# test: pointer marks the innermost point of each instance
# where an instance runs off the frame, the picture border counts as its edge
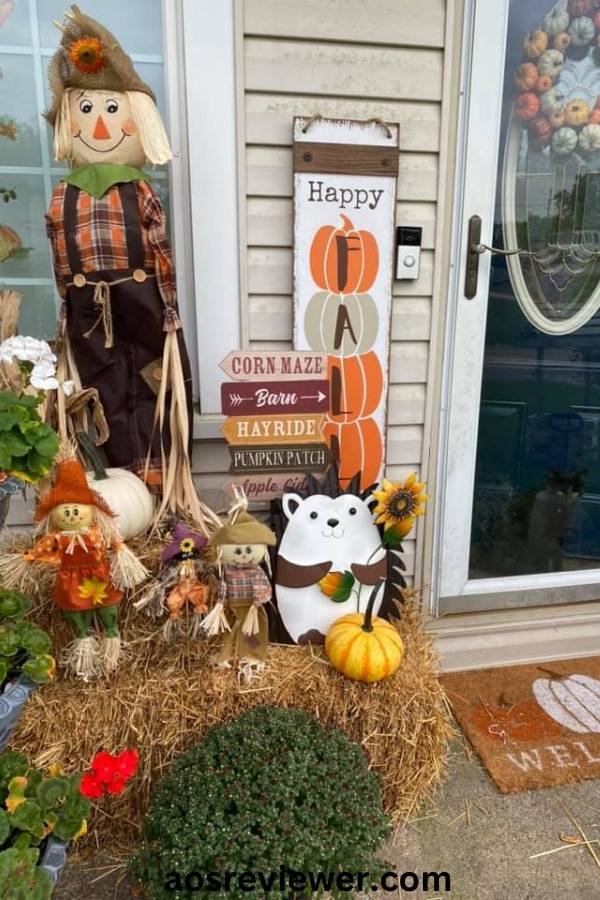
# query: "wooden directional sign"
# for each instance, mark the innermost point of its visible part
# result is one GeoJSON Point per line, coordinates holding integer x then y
{"type": "Point", "coordinates": [260, 398]}
{"type": "Point", "coordinates": [262, 488]}
{"type": "Point", "coordinates": [295, 458]}
{"type": "Point", "coordinates": [292, 429]}
{"type": "Point", "coordinates": [274, 365]}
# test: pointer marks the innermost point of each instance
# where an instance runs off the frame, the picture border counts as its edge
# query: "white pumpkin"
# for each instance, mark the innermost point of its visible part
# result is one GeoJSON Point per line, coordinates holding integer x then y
{"type": "Point", "coordinates": [564, 141]}
{"type": "Point", "coordinates": [553, 100]}
{"type": "Point", "coordinates": [128, 497]}
{"type": "Point", "coordinates": [556, 20]}
{"type": "Point", "coordinates": [589, 138]}
{"type": "Point", "coordinates": [582, 31]}
{"type": "Point", "coordinates": [550, 63]}
{"type": "Point", "coordinates": [573, 702]}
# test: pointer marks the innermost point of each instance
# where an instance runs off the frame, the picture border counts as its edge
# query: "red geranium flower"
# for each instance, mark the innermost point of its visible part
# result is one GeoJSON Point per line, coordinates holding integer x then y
{"type": "Point", "coordinates": [127, 763]}
{"type": "Point", "coordinates": [103, 766]}
{"type": "Point", "coordinates": [90, 787]}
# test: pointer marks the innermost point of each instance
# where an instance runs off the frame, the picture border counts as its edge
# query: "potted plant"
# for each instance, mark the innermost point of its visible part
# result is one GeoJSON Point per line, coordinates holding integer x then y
{"type": "Point", "coordinates": [27, 371]}
{"type": "Point", "coordinates": [39, 816]}
{"type": "Point", "coordinates": [24, 659]}
{"type": "Point", "coordinates": [272, 786]}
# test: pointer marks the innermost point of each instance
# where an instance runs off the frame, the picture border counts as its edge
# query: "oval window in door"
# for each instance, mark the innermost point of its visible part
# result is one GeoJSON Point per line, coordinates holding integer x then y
{"type": "Point", "coordinates": [551, 176]}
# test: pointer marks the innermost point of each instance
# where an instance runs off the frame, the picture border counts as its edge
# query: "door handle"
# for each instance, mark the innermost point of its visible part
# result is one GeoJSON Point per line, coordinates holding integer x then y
{"type": "Point", "coordinates": [473, 254]}
{"type": "Point", "coordinates": [474, 250]}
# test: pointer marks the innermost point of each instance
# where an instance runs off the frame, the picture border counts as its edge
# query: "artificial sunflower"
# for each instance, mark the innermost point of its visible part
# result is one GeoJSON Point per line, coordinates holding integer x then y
{"type": "Point", "coordinates": [87, 55]}
{"type": "Point", "coordinates": [93, 589]}
{"type": "Point", "coordinates": [398, 505]}
{"type": "Point", "coordinates": [187, 545]}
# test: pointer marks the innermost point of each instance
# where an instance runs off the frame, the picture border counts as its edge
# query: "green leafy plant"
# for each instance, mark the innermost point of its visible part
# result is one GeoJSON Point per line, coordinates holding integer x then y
{"type": "Point", "coordinates": [32, 807]}
{"type": "Point", "coordinates": [27, 445]}
{"type": "Point", "coordinates": [24, 647]}
{"type": "Point", "coordinates": [271, 787]}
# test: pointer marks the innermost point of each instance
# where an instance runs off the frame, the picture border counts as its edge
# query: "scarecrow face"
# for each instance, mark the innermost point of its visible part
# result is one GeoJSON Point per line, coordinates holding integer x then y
{"type": "Point", "coordinates": [103, 129]}
{"type": "Point", "coordinates": [72, 516]}
{"type": "Point", "coordinates": [242, 554]}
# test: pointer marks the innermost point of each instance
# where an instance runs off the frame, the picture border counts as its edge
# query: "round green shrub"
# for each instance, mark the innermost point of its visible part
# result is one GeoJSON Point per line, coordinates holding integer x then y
{"type": "Point", "coordinates": [271, 788]}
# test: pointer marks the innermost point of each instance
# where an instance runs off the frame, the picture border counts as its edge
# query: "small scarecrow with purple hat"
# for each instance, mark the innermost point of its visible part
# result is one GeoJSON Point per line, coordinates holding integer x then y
{"type": "Point", "coordinates": [183, 585]}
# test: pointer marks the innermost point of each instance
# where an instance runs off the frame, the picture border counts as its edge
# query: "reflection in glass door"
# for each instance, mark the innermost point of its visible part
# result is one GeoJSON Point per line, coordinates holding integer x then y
{"type": "Point", "coordinates": [536, 505]}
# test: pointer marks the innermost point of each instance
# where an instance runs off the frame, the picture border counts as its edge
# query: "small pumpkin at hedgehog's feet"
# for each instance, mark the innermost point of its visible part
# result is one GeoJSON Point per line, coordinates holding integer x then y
{"type": "Point", "coordinates": [364, 647]}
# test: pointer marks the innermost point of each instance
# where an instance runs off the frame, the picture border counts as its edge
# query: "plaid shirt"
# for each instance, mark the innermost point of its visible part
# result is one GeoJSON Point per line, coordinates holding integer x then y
{"type": "Point", "coordinates": [101, 237]}
{"type": "Point", "coordinates": [245, 583]}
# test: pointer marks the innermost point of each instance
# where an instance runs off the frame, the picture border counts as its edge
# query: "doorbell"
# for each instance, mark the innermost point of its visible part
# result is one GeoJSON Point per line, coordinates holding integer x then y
{"type": "Point", "coordinates": [408, 251]}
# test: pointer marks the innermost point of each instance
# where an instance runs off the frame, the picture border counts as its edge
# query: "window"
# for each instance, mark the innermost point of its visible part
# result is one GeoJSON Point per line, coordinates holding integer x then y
{"type": "Point", "coordinates": [185, 50]}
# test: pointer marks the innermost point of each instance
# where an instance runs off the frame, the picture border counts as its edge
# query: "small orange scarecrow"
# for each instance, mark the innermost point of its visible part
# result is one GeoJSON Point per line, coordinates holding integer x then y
{"type": "Point", "coordinates": [81, 538]}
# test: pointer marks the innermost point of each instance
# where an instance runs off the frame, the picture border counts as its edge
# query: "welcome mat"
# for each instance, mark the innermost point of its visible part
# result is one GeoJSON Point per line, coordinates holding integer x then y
{"type": "Point", "coordinates": [533, 726]}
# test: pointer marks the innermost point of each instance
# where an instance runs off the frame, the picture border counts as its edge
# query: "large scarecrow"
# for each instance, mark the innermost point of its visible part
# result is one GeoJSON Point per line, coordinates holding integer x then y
{"type": "Point", "coordinates": [112, 261]}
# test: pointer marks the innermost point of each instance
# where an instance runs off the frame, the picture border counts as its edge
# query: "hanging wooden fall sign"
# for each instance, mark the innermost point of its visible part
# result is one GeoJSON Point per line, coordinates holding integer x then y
{"type": "Point", "coordinates": [344, 195]}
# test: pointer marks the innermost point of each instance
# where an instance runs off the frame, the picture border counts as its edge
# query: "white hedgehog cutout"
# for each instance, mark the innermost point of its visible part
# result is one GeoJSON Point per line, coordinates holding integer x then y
{"type": "Point", "coordinates": [326, 534]}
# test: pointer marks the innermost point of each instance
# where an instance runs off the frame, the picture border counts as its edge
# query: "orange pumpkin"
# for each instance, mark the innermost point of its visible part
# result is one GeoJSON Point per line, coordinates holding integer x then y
{"type": "Point", "coordinates": [356, 386]}
{"type": "Point", "coordinates": [357, 447]}
{"type": "Point", "coordinates": [596, 19]}
{"type": "Point", "coordinates": [561, 41]}
{"type": "Point", "coordinates": [557, 118]}
{"type": "Point", "coordinates": [541, 129]}
{"type": "Point", "coordinates": [344, 260]}
{"type": "Point", "coordinates": [528, 106]}
{"type": "Point", "coordinates": [535, 43]}
{"type": "Point", "coordinates": [543, 84]}
{"type": "Point", "coordinates": [594, 118]}
{"type": "Point", "coordinates": [526, 76]}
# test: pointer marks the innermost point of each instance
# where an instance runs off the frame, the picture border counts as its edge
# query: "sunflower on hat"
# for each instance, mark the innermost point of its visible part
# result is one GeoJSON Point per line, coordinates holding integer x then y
{"type": "Point", "coordinates": [87, 55]}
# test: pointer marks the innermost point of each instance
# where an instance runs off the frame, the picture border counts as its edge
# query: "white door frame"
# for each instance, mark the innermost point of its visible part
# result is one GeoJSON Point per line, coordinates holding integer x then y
{"type": "Point", "coordinates": [475, 188]}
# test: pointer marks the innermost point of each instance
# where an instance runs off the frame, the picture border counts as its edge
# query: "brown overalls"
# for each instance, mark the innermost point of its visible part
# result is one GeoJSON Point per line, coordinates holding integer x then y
{"type": "Point", "coordinates": [134, 314]}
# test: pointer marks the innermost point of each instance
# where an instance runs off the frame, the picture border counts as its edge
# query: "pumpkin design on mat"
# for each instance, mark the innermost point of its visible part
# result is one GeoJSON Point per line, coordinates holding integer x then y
{"type": "Point", "coordinates": [347, 324]}
{"type": "Point", "coordinates": [364, 647]}
{"type": "Point", "coordinates": [574, 701]}
{"type": "Point", "coordinates": [356, 386]}
{"type": "Point", "coordinates": [344, 260]}
{"type": "Point", "coordinates": [357, 447]}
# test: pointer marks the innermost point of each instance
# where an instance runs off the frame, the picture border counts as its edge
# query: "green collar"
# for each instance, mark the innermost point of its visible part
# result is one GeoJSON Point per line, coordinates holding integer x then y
{"type": "Point", "coordinates": [97, 179]}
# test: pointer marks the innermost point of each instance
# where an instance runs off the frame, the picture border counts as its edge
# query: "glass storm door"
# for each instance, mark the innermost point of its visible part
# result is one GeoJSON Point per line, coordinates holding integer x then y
{"type": "Point", "coordinates": [521, 478]}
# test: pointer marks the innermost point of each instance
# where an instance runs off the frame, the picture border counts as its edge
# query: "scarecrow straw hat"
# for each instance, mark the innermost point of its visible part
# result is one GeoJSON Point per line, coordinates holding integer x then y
{"type": "Point", "coordinates": [89, 57]}
{"type": "Point", "coordinates": [243, 528]}
{"type": "Point", "coordinates": [70, 486]}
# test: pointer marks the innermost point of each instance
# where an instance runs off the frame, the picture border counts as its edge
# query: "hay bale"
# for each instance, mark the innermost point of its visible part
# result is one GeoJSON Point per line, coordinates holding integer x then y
{"type": "Point", "coordinates": [165, 696]}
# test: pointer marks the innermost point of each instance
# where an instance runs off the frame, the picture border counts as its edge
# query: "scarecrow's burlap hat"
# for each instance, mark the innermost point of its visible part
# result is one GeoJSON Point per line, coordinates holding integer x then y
{"type": "Point", "coordinates": [243, 528]}
{"type": "Point", "coordinates": [89, 56]}
{"type": "Point", "coordinates": [70, 486]}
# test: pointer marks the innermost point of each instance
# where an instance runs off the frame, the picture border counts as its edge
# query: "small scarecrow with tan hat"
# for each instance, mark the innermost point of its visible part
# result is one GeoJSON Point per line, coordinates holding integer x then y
{"type": "Point", "coordinates": [112, 262]}
{"type": "Point", "coordinates": [242, 546]}
{"type": "Point", "coordinates": [94, 567]}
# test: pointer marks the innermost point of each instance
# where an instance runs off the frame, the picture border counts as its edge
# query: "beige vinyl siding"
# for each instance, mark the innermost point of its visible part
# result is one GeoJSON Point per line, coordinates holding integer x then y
{"type": "Point", "coordinates": [339, 58]}
{"type": "Point", "coordinates": [344, 58]}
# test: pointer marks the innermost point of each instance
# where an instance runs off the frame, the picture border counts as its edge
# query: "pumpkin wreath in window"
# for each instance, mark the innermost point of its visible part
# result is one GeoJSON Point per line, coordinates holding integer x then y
{"type": "Point", "coordinates": [557, 122]}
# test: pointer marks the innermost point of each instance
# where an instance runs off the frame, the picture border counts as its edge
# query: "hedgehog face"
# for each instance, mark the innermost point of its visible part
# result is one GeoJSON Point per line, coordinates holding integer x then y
{"type": "Point", "coordinates": [330, 518]}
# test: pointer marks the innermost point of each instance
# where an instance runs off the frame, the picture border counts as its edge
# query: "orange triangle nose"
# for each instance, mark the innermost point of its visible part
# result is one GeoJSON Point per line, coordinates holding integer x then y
{"type": "Point", "coordinates": [101, 132]}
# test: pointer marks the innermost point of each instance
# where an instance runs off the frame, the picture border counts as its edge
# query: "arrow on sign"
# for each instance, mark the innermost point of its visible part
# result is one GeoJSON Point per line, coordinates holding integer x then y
{"type": "Point", "coordinates": [273, 365]}
{"type": "Point", "coordinates": [269, 398]}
